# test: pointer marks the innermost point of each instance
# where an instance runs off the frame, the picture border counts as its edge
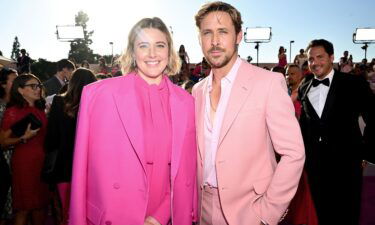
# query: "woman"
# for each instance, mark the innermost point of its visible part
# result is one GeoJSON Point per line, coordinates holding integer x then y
{"type": "Point", "coordinates": [183, 55]}
{"type": "Point", "coordinates": [61, 131]}
{"type": "Point", "coordinates": [30, 194]}
{"type": "Point", "coordinates": [6, 80]}
{"type": "Point", "coordinates": [135, 151]}
{"type": "Point", "coordinates": [103, 68]}
{"type": "Point", "coordinates": [282, 57]}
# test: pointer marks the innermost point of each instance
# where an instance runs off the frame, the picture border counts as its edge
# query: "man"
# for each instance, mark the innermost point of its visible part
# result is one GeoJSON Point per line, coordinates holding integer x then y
{"type": "Point", "coordinates": [65, 69]}
{"type": "Point", "coordinates": [346, 64]}
{"type": "Point", "coordinates": [242, 115]}
{"type": "Point", "coordinates": [301, 58]}
{"type": "Point", "coordinates": [23, 62]}
{"type": "Point", "coordinates": [331, 104]}
{"type": "Point", "coordinates": [294, 77]}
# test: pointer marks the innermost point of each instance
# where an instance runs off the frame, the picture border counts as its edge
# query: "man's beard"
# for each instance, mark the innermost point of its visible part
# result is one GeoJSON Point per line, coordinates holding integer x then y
{"type": "Point", "coordinates": [225, 61]}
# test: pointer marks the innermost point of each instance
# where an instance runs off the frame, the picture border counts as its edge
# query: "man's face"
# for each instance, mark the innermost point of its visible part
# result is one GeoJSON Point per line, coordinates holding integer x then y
{"type": "Point", "coordinates": [68, 73]}
{"type": "Point", "coordinates": [218, 39]}
{"type": "Point", "coordinates": [320, 63]}
{"type": "Point", "coordinates": [293, 75]}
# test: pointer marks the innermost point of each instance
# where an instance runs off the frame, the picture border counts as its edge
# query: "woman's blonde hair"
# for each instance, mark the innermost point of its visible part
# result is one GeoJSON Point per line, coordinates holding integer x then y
{"type": "Point", "coordinates": [127, 59]}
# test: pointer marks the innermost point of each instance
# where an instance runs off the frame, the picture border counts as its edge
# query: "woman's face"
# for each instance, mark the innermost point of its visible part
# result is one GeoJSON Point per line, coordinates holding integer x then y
{"type": "Point", "coordinates": [31, 91]}
{"type": "Point", "coordinates": [9, 83]}
{"type": "Point", "coordinates": [151, 54]}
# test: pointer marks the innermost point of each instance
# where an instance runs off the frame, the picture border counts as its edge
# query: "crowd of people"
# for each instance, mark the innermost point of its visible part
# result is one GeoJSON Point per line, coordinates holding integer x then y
{"type": "Point", "coordinates": [153, 139]}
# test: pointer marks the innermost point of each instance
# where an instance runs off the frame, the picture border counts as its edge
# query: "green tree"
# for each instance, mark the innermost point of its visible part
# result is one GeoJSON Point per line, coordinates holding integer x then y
{"type": "Point", "coordinates": [44, 69]}
{"type": "Point", "coordinates": [16, 49]}
{"type": "Point", "coordinates": [80, 48]}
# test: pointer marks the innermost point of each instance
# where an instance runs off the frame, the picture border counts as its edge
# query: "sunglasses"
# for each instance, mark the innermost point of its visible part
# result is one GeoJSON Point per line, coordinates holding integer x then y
{"type": "Point", "coordinates": [34, 86]}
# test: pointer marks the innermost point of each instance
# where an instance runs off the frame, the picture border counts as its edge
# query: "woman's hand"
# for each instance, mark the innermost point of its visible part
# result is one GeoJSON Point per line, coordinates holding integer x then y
{"type": "Point", "coordinates": [151, 221]}
{"type": "Point", "coordinates": [29, 133]}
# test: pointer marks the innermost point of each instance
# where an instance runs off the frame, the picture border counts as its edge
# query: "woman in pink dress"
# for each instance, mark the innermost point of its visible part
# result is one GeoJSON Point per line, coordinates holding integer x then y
{"type": "Point", "coordinates": [282, 57]}
{"type": "Point", "coordinates": [30, 194]}
{"type": "Point", "coordinates": [135, 151]}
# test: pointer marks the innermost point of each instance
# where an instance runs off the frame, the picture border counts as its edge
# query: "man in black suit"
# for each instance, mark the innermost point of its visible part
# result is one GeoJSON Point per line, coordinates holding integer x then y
{"type": "Point", "coordinates": [65, 69]}
{"type": "Point", "coordinates": [331, 105]}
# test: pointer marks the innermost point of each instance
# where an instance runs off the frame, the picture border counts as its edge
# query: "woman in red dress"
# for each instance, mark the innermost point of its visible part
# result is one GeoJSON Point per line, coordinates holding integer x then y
{"type": "Point", "coordinates": [30, 194]}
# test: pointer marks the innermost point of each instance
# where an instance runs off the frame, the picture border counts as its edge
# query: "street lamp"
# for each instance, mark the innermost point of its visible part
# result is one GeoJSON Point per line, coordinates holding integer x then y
{"type": "Point", "coordinates": [290, 51]}
{"type": "Point", "coordinates": [111, 43]}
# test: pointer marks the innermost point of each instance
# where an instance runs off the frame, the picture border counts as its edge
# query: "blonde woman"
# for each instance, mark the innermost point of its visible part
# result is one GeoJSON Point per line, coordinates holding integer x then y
{"type": "Point", "coordinates": [135, 152]}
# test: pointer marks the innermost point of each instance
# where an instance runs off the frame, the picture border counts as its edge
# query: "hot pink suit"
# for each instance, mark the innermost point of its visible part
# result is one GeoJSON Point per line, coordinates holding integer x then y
{"type": "Point", "coordinates": [259, 121]}
{"type": "Point", "coordinates": [109, 184]}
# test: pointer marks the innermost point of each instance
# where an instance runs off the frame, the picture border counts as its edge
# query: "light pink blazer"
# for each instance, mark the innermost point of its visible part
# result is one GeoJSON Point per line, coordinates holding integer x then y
{"type": "Point", "coordinates": [109, 183]}
{"type": "Point", "coordinates": [259, 121]}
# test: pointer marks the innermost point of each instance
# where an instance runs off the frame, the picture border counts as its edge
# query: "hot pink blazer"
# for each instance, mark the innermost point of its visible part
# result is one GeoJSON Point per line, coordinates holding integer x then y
{"type": "Point", "coordinates": [259, 121]}
{"type": "Point", "coordinates": [109, 184]}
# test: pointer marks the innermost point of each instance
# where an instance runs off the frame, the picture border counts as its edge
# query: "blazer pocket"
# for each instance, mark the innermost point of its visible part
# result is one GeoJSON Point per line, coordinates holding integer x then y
{"type": "Point", "coordinates": [94, 214]}
{"type": "Point", "coordinates": [261, 185]}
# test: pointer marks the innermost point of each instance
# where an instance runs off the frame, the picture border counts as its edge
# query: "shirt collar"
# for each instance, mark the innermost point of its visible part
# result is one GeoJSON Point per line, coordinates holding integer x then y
{"type": "Point", "coordinates": [329, 76]}
{"type": "Point", "coordinates": [62, 82]}
{"type": "Point", "coordinates": [230, 77]}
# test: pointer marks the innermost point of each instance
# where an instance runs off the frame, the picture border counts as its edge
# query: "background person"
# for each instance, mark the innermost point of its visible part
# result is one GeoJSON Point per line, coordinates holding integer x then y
{"type": "Point", "coordinates": [332, 102]}
{"type": "Point", "coordinates": [282, 57]}
{"type": "Point", "coordinates": [61, 130]}
{"type": "Point", "coordinates": [30, 194]}
{"type": "Point", "coordinates": [6, 80]}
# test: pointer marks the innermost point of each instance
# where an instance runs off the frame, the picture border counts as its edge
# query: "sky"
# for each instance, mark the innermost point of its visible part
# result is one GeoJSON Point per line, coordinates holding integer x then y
{"type": "Point", "coordinates": [34, 22]}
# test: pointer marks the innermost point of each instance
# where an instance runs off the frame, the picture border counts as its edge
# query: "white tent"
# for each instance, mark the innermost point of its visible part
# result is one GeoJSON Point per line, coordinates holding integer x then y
{"type": "Point", "coordinates": [5, 61]}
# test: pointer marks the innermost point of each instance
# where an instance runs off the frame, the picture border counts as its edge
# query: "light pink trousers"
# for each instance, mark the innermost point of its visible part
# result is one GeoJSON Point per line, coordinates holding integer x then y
{"type": "Point", "coordinates": [212, 213]}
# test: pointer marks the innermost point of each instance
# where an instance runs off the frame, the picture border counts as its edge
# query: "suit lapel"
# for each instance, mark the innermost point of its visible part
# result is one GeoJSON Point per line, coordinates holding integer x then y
{"type": "Point", "coordinates": [240, 91]}
{"type": "Point", "coordinates": [330, 97]}
{"type": "Point", "coordinates": [309, 108]}
{"type": "Point", "coordinates": [130, 116]}
{"type": "Point", "coordinates": [179, 124]}
{"type": "Point", "coordinates": [200, 101]}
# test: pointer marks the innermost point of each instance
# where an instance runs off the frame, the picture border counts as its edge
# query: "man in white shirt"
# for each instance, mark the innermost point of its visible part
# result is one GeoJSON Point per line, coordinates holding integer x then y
{"type": "Point", "coordinates": [331, 105]}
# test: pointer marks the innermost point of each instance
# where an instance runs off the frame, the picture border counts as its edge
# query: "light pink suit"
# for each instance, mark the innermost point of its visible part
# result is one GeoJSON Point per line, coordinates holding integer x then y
{"type": "Point", "coordinates": [259, 121]}
{"type": "Point", "coordinates": [109, 184]}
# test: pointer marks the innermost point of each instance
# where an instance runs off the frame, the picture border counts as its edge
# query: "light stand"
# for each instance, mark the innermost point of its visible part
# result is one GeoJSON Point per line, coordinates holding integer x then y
{"type": "Point", "coordinates": [364, 36]}
{"type": "Point", "coordinates": [365, 48]}
{"type": "Point", "coordinates": [258, 35]}
{"type": "Point", "coordinates": [257, 48]}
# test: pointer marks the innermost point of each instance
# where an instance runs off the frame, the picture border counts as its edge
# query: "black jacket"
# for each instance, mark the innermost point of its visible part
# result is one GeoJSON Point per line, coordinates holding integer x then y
{"type": "Point", "coordinates": [52, 86]}
{"type": "Point", "coordinates": [60, 135]}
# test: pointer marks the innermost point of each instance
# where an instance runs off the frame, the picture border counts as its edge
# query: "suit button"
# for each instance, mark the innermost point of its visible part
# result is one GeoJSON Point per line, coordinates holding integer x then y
{"type": "Point", "coordinates": [221, 161]}
{"type": "Point", "coordinates": [116, 186]}
{"type": "Point", "coordinates": [108, 222]}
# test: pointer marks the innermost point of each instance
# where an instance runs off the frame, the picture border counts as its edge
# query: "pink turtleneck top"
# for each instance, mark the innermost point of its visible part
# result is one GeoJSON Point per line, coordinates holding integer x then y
{"type": "Point", "coordinates": [153, 102]}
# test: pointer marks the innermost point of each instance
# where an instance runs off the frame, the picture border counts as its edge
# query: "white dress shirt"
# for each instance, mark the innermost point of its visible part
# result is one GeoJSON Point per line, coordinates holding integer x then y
{"type": "Point", "coordinates": [212, 128]}
{"type": "Point", "coordinates": [318, 95]}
